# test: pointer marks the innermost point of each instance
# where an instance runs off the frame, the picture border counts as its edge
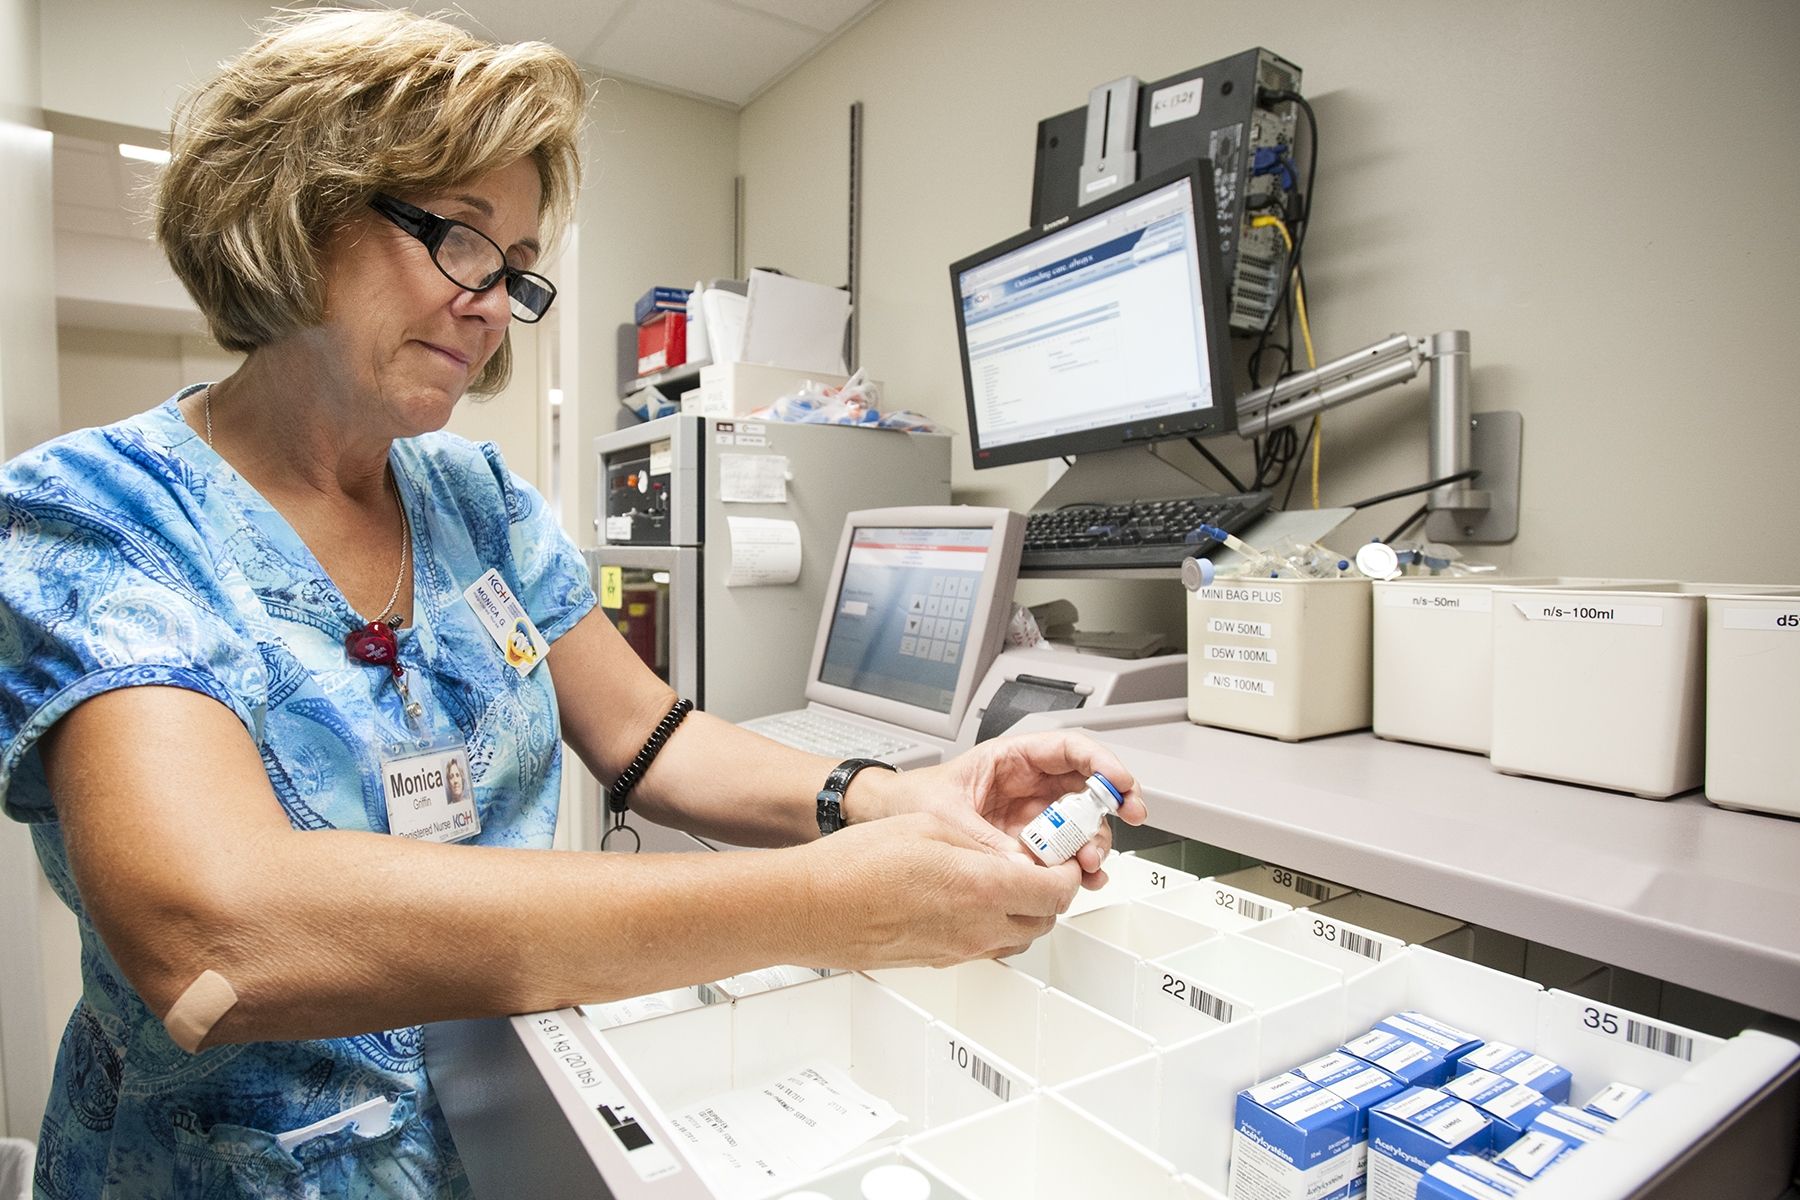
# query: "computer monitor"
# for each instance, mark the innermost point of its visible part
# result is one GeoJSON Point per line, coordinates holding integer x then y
{"type": "Point", "coordinates": [915, 611]}
{"type": "Point", "coordinates": [1099, 332]}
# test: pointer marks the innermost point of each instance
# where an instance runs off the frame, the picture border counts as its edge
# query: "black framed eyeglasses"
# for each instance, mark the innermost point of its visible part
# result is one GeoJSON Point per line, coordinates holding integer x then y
{"type": "Point", "coordinates": [470, 258]}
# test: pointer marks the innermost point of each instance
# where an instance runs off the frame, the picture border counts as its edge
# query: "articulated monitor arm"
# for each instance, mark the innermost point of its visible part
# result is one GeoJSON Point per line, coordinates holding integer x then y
{"type": "Point", "coordinates": [1389, 362]}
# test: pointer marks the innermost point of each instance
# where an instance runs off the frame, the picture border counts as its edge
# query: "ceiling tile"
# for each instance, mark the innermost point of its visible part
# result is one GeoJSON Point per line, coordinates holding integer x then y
{"type": "Point", "coordinates": [569, 27]}
{"type": "Point", "coordinates": [708, 49]}
{"type": "Point", "coordinates": [826, 16]}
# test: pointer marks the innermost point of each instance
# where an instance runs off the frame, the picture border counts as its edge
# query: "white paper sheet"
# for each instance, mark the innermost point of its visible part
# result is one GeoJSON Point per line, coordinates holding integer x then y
{"type": "Point", "coordinates": [753, 478]}
{"type": "Point", "coordinates": [764, 552]}
{"type": "Point", "coordinates": [795, 324]}
{"type": "Point", "coordinates": [786, 1129]}
{"type": "Point", "coordinates": [723, 313]}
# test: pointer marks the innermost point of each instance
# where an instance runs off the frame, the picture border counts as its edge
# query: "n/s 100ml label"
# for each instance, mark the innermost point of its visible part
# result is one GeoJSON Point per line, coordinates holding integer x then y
{"type": "Point", "coordinates": [1240, 684]}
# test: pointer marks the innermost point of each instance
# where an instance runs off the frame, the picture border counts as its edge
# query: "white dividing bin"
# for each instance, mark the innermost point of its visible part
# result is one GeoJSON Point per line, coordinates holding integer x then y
{"type": "Point", "coordinates": [1180, 1103]}
{"type": "Point", "coordinates": [1434, 659]}
{"type": "Point", "coordinates": [1232, 979]}
{"type": "Point", "coordinates": [1293, 888]}
{"type": "Point", "coordinates": [1129, 877]}
{"type": "Point", "coordinates": [1047, 1149]}
{"type": "Point", "coordinates": [1220, 905]}
{"type": "Point", "coordinates": [1414, 926]}
{"type": "Point", "coordinates": [845, 1181]}
{"type": "Point", "coordinates": [1354, 951]}
{"type": "Point", "coordinates": [1094, 957]}
{"type": "Point", "coordinates": [1000, 1034]}
{"type": "Point", "coordinates": [1603, 687]}
{"type": "Point", "coordinates": [847, 1022]}
{"type": "Point", "coordinates": [1284, 657]}
{"type": "Point", "coordinates": [1753, 701]}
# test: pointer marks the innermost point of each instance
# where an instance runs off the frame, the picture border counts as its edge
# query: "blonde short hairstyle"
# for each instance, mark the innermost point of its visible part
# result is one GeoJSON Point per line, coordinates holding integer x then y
{"type": "Point", "coordinates": [326, 109]}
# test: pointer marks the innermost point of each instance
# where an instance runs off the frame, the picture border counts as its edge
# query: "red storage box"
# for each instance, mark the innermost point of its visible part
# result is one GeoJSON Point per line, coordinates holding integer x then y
{"type": "Point", "coordinates": [662, 342]}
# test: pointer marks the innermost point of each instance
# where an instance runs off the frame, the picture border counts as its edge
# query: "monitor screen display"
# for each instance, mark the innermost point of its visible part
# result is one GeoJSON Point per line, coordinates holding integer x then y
{"type": "Point", "coordinates": [902, 621]}
{"type": "Point", "coordinates": [1095, 334]}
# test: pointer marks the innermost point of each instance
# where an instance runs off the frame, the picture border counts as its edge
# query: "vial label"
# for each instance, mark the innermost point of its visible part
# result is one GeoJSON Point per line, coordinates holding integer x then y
{"type": "Point", "coordinates": [1054, 837]}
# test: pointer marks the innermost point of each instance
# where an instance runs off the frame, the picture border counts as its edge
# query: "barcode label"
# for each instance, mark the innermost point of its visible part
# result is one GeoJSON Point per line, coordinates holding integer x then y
{"type": "Point", "coordinates": [1663, 1041]}
{"type": "Point", "coordinates": [1658, 1038]}
{"type": "Point", "coordinates": [1243, 903]}
{"type": "Point", "coordinates": [1356, 943]}
{"type": "Point", "coordinates": [1219, 1010]}
{"type": "Point", "coordinates": [1198, 998]}
{"type": "Point", "coordinates": [981, 1071]}
{"type": "Point", "coordinates": [1311, 888]}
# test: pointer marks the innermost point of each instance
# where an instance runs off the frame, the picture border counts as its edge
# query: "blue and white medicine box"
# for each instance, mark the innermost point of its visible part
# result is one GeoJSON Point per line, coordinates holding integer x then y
{"type": "Point", "coordinates": [1510, 1106]}
{"type": "Point", "coordinates": [1465, 1177]}
{"type": "Point", "coordinates": [660, 300]}
{"type": "Point", "coordinates": [1413, 1063]}
{"type": "Point", "coordinates": [1615, 1100]}
{"type": "Point", "coordinates": [1571, 1124]}
{"type": "Point", "coordinates": [1449, 1041]}
{"type": "Point", "coordinates": [1359, 1085]}
{"type": "Point", "coordinates": [1520, 1066]}
{"type": "Point", "coordinates": [1414, 1130]}
{"type": "Point", "coordinates": [1535, 1153]}
{"type": "Point", "coordinates": [1293, 1141]}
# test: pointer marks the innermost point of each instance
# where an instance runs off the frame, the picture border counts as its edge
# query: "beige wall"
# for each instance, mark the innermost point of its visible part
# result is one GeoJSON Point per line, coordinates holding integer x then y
{"type": "Point", "coordinates": [1558, 179]}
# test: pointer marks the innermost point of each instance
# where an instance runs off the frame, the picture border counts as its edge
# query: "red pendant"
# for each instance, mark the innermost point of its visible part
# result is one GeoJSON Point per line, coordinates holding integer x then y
{"type": "Point", "coordinates": [374, 644]}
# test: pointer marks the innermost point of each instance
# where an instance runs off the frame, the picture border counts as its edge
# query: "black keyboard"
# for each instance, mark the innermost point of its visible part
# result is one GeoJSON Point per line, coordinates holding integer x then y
{"type": "Point", "coordinates": [1141, 533]}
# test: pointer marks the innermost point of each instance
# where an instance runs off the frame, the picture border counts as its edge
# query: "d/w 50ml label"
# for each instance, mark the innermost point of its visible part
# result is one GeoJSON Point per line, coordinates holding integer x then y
{"type": "Point", "coordinates": [1233, 628]}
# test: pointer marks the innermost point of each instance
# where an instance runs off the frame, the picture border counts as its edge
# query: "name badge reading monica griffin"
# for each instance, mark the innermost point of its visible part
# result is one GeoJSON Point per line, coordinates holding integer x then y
{"type": "Point", "coordinates": [501, 614]}
{"type": "Point", "coordinates": [430, 795]}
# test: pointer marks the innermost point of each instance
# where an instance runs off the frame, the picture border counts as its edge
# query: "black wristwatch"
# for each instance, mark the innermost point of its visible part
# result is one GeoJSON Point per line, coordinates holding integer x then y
{"type": "Point", "coordinates": [831, 796]}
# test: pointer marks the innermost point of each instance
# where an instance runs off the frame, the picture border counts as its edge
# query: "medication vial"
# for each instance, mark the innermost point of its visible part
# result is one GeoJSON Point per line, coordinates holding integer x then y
{"type": "Point", "coordinates": [1065, 827]}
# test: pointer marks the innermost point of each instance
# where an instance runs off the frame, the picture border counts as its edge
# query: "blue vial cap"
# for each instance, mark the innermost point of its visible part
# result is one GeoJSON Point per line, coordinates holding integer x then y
{"type": "Point", "coordinates": [1108, 785]}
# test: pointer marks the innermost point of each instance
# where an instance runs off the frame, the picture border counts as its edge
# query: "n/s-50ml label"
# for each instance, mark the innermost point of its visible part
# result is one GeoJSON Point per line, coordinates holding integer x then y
{"type": "Point", "coordinates": [1240, 684]}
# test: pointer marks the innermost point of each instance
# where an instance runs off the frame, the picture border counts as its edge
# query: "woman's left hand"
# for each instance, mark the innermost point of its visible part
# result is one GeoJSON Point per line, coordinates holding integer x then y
{"type": "Point", "coordinates": [995, 789]}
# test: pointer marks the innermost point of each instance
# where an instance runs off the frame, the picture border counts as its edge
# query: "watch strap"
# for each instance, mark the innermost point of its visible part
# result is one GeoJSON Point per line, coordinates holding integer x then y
{"type": "Point", "coordinates": [831, 796]}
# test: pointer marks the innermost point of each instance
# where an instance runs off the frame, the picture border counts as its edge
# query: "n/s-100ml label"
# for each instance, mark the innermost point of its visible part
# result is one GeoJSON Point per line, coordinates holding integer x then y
{"type": "Point", "coordinates": [1239, 684]}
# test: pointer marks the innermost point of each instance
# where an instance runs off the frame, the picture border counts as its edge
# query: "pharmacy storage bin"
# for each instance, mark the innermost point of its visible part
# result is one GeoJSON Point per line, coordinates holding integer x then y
{"type": "Point", "coordinates": [1288, 658]}
{"type": "Point", "coordinates": [1752, 699]}
{"type": "Point", "coordinates": [1600, 687]}
{"type": "Point", "coordinates": [1234, 979]}
{"type": "Point", "coordinates": [1129, 877]}
{"type": "Point", "coordinates": [1094, 956]}
{"type": "Point", "coordinates": [1603, 687]}
{"type": "Point", "coordinates": [1433, 669]}
{"type": "Point", "coordinates": [1046, 1148]}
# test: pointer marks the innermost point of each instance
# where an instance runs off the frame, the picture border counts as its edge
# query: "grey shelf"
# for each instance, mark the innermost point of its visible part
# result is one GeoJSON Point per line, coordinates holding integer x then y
{"type": "Point", "coordinates": [1677, 889]}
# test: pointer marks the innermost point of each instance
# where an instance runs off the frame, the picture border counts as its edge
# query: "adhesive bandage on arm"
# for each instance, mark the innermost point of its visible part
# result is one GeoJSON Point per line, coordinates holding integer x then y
{"type": "Point", "coordinates": [198, 1009]}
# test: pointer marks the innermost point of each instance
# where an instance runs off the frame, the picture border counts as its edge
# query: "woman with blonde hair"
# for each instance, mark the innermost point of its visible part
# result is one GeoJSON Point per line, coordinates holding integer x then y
{"type": "Point", "coordinates": [249, 638]}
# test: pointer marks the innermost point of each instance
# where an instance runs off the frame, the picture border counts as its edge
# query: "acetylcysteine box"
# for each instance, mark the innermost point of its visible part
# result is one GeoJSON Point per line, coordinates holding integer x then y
{"type": "Point", "coordinates": [1521, 1066]}
{"type": "Point", "coordinates": [1449, 1041]}
{"type": "Point", "coordinates": [1293, 1141]}
{"type": "Point", "coordinates": [1571, 1124]}
{"type": "Point", "coordinates": [1411, 1062]}
{"type": "Point", "coordinates": [1535, 1153]}
{"type": "Point", "coordinates": [1361, 1086]}
{"type": "Point", "coordinates": [1615, 1100]}
{"type": "Point", "coordinates": [1415, 1129]}
{"type": "Point", "coordinates": [1510, 1106]}
{"type": "Point", "coordinates": [1466, 1177]}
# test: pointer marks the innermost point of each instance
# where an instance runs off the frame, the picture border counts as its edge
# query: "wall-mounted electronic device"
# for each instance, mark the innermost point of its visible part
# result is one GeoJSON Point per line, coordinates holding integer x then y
{"type": "Point", "coordinates": [1218, 112]}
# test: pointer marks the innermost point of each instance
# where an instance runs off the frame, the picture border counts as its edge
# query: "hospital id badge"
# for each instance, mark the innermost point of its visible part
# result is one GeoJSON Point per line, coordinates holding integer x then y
{"type": "Point", "coordinates": [501, 614]}
{"type": "Point", "coordinates": [430, 796]}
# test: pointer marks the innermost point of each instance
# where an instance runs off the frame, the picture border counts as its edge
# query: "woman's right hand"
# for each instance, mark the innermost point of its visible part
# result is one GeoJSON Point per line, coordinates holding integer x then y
{"type": "Point", "coordinates": [915, 890]}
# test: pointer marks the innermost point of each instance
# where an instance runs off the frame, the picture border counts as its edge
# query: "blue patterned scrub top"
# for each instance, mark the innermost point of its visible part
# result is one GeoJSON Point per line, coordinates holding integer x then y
{"type": "Point", "coordinates": [134, 555]}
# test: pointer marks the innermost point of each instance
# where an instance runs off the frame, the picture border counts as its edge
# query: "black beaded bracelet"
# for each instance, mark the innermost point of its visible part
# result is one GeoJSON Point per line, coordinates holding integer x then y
{"type": "Point", "coordinates": [621, 787]}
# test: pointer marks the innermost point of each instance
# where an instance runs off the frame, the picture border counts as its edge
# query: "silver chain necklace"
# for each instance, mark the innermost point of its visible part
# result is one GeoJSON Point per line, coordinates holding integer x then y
{"type": "Point", "coordinates": [387, 615]}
